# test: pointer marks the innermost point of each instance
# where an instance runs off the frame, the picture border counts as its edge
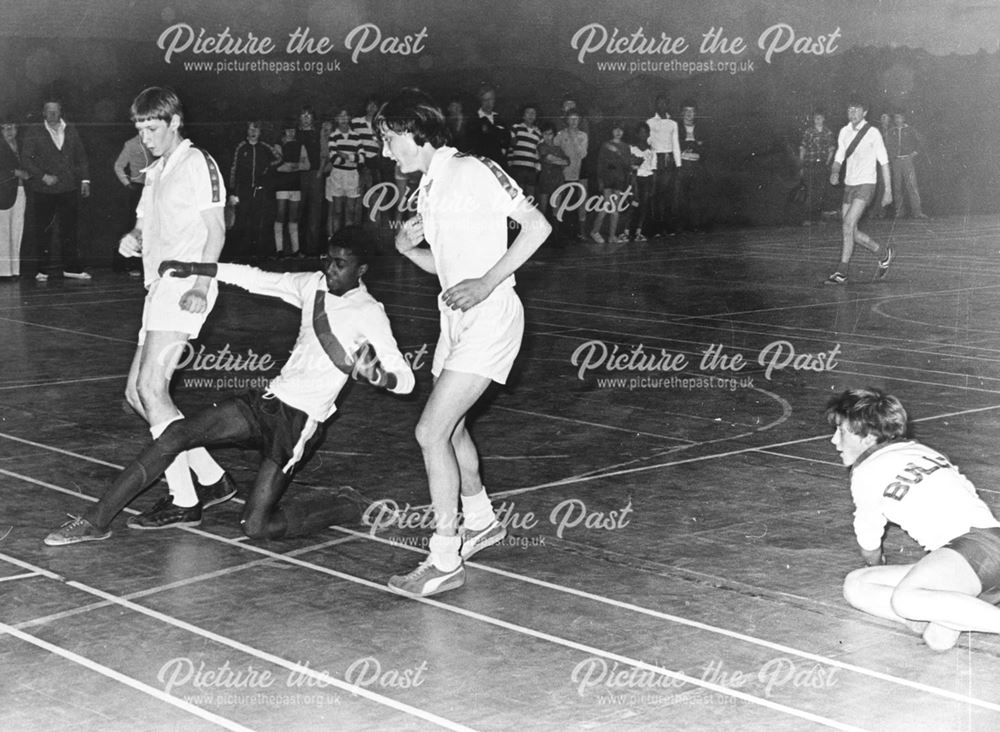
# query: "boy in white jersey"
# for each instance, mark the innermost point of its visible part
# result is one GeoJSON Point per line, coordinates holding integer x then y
{"type": "Point", "coordinates": [344, 332]}
{"type": "Point", "coordinates": [951, 589]}
{"type": "Point", "coordinates": [180, 216]}
{"type": "Point", "coordinates": [463, 205]}
{"type": "Point", "coordinates": [860, 147]}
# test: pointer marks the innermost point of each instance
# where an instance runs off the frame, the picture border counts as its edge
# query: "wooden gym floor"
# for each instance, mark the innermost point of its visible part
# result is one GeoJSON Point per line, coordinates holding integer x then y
{"type": "Point", "coordinates": [678, 539]}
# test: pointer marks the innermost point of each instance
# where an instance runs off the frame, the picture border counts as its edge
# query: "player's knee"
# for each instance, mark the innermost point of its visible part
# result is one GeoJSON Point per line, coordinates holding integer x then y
{"type": "Point", "coordinates": [428, 434]}
{"type": "Point", "coordinates": [939, 638]}
{"type": "Point", "coordinates": [905, 603]}
{"type": "Point", "coordinates": [854, 587]}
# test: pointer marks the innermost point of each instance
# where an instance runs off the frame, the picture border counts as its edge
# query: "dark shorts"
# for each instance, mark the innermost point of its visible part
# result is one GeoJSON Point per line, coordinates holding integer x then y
{"type": "Point", "coordinates": [864, 192]}
{"type": "Point", "coordinates": [274, 426]}
{"type": "Point", "coordinates": [981, 549]}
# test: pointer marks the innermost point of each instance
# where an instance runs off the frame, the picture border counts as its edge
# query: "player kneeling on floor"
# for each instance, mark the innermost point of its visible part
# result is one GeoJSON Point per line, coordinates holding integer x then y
{"type": "Point", "coordinates": [955, 586]}
{"type": "Point", "coordinates": [344, 332]}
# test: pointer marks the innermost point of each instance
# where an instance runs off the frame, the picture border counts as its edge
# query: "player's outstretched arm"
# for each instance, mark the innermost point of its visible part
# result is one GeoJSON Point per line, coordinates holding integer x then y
{"type": "Point", "coordinates": [188, 269]}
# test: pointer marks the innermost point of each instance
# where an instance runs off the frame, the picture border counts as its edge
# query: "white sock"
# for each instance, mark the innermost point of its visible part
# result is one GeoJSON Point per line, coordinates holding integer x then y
{"type": "Point", "coordinates": [293, 235]}
{"type": "Point", "coordinates": [477, 511]}
{"type": "Point", "coordinates": [204, 466]}
{"type": "Point", "coordinates": [444, 552]}
{"type": "Point", "coordinates": [178, 473]}
{"type": "Point", "coordinates": [279, 237]}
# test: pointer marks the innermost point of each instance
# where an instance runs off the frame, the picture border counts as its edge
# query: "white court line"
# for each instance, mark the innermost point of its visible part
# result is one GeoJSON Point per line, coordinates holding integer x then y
{"type": "Point", "coordinates": [139, 594]}
{"type": "Point", "coordinates": [26, 575]}
{"type": "Point", "coordinates": [68, 330]}
{"type": "Point", "coordinates": [753, 640]}
{"type": "Point", "coordinates": [63, 381]}
{"type": "Point", "coordinates": [236, 645]}
{"type": "Point", "coordinates": [448, 724]}
{"type": "Point", "coordinates": [568, 590]}
{"type": "Point", "coordinates": [123, 679]}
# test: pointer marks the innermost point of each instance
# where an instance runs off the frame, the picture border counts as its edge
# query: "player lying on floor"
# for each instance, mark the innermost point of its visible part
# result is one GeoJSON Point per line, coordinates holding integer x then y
{"type": "Point", "coordinates": [951, 589]}
{"type": "Point", "coordinates": [344, 332]}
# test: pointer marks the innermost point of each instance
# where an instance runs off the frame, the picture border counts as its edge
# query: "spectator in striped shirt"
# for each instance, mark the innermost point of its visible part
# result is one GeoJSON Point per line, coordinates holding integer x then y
{"type": "Point", "coordinates": [522, 158]}
{"type": "Point", "coordinates": [369, 147]}
{"type": "Point", "coordinates": [342, 186]}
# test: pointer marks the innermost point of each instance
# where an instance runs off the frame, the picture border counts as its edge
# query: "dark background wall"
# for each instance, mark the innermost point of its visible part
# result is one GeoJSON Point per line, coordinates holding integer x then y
{"type": "Point", "coordinates": [938, 60]}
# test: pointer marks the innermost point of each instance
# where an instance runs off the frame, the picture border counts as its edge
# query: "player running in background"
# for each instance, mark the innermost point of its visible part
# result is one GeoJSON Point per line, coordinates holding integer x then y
{"type": "Point", "coordinates": [893, 479]}
{"type": "Point", "coordinates": [344, 331]}
{"type": "Point", "coordinates": [463, 206]}
{"type": "Point", "coordinates": [180, 216]}
{"type": "Point", "coordinates": [861, 149]}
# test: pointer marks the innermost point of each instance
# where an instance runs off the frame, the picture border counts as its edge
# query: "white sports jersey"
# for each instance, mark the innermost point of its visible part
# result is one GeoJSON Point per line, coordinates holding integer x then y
{"type": "Point", "coordinates": [177, 190]}
{"type": "Point", "coordinates": [862, 166]}
{"type": "Point", "coordinates": [464, 202]}
{"type": "Point", "coordinates": [309, 381]}
{"type": "Point", "coordinates": [918, 489]}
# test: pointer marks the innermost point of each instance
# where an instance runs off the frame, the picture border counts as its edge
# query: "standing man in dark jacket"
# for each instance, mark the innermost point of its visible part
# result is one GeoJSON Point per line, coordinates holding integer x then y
{"type": "Point", "coordinates": [54, 157]}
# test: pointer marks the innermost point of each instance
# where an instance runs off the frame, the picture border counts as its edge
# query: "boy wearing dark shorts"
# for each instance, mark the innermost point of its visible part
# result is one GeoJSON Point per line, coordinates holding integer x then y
{"type": "Point", "coordinates": [344, 333]}
{"type": "Point", "coordinates": [860, 147]}
{"type": "Point", "coordinates": [951, 589]}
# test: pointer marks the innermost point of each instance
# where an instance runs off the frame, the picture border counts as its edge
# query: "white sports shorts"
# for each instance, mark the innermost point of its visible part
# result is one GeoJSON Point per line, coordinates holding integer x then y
{"type": "Point", "coordinates": [162, 309]}
{"type": "Point", "coordinates": [484, 340]}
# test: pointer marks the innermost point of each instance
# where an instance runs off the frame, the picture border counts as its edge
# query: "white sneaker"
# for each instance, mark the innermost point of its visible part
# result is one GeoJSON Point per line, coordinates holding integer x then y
{"type": "Point", "coordinates": [77, 275]}
{"type": "Point", "coordinates": [41, 277]}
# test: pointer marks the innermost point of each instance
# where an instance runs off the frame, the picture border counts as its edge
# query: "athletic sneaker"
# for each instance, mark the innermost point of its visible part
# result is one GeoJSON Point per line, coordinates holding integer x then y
{"type": "Point", "coordinates": [77, 275]}
{"type": "Point", "coordinates": [475, 541]}
{"type": "Point", "coordinates": [41, 277]}
{"type": "Point", "coordinates": [74, 531]}
{"type": "Point", "coordinates": [883, 264]}
{"type": "Point", "coordinates": [165, 515]}
{"type": "Point", "coordinates": [639, 237]}
{"type": "Point", "coordinates": [427, 580]}
{"type": "Point", "coordinates": [219, 492]}
{"type": "Point", "coordinates": [597, 237]}
{"type": "Point", "coordinates": [837, 278]}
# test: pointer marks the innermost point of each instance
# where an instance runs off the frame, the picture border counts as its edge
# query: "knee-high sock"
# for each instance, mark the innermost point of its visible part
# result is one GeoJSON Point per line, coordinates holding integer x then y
{"type": "Point", "coordinates": [293, 235]}
{"type": "Point", "coordinates": [178, 473]}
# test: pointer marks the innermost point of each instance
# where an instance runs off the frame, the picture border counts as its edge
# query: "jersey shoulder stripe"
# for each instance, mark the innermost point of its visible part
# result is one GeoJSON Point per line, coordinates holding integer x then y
{"type": "Point", "coordinates": [213, 175]}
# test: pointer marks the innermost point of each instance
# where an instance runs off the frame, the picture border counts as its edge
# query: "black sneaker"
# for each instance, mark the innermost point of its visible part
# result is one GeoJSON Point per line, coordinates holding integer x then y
{"type": "Point", "coordinates": [219, 492]}
{"type": "Point", "coordinates": [883, 264]}
{"type": "Point", "coordinates": [165, 515]}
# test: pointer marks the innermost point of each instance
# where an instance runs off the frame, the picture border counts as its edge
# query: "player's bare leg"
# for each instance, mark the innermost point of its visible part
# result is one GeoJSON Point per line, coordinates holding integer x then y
{"type": "Point", "coordinates": [158, 359]}
{"type": "Point", "coordinates": [453, 395]}
{"type": "Point", "coordinates": [944, 590]}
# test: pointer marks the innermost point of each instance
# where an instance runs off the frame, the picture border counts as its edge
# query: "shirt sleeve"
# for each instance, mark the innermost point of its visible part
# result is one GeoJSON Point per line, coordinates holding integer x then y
{"type": "Point", "coordinates": [869, 521]}
{"type": "Point", "coordinates": [206, 180]}
{"type": "Point", "coordinates": [500, 192]}
{"type": "Point", "coordinates": [841, 149]}
{"type": "Point", "coordinates": [677, 145]}
{"type": "Point", "coordinates": [287, 286]}
{"type": "Point", "coordinates": [120, 163]}
{"type": "Point", "coordinates": [378, 333]}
